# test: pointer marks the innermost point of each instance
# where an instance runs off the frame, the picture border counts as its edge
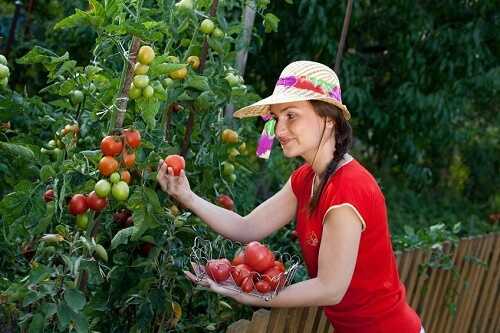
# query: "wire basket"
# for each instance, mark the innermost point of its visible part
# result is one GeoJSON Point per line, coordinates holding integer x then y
{"type": "Point", "coordinates": [205, 250]}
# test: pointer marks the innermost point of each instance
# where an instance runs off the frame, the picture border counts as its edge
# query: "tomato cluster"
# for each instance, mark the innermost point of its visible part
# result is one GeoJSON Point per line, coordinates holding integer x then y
{"type": "Point", "coordinates": [4, 72]}
{"type": "Point", "coordinates": [64, 139]}
{"type": "Point", "coordinates": [252, 268]}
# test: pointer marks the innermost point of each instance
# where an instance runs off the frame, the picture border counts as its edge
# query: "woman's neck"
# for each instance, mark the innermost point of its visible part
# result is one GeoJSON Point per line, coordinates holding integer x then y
{"type": "Point", "coordinates": [323, 157]}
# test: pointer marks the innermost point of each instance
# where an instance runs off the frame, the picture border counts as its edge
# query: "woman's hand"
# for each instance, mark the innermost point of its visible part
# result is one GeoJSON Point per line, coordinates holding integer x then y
{"type": "Point", "coordinates": [176, 186]}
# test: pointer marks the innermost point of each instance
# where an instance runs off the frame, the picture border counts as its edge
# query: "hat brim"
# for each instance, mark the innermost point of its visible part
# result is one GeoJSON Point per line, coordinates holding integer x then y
{"type": "Point", "coordinates": [263, 106]}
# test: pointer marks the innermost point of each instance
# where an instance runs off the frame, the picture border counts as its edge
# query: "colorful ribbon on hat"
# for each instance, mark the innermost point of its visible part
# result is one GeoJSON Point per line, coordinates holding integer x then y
{"type": "Point", "coordinates": [312, 84]}
{"type": "Point", "coordinates": [266, 139]}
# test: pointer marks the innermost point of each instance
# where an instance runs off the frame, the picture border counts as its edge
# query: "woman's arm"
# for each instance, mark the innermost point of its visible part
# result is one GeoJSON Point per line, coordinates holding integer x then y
{"type": "Point", "coordinates": [261, 222]}
{"type": "Point", "coordinates": [337, 260]}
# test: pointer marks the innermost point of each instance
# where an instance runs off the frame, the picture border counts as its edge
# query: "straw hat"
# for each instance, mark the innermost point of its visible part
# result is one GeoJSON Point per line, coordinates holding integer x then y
{"type": "Point", "coordinates": [300, 81]}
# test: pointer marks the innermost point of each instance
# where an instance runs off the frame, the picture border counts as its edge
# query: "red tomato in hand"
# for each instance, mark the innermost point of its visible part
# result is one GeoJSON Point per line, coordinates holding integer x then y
{"type": "Point", "coordinates": [240, 272]}
{"type": "Point", "coordinates": [111, 146]}
{"type": "Point", "coordinates": [247, 284]}
{"type": "Point", "coordinates": [263, 286]}
{"type": "Point", "coordinates": [239, 258]}
{"type": "Point", "coordinates": [225, 201]}
{"type": "Point", "coordinates": [132, 138]}
{"type": "Point", "coordinates": [176, 162]}
{"type": "Point", "coordinates": [218, 269]}
{"type": "Point", "coordinates": [258, 256]}
{"type": "Point", "coordinates": [78, 204]}
{"type": "Point", "coordinates": [95, 202]}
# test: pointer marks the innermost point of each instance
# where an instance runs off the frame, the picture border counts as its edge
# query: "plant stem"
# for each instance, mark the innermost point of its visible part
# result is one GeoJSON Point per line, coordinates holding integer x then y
{"type": "Point", "coordinates": [127, 75]}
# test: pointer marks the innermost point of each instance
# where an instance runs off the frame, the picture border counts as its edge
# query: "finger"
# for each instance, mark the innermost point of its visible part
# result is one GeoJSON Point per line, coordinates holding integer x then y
{"type": "Point", "coordinates": [160, 163]}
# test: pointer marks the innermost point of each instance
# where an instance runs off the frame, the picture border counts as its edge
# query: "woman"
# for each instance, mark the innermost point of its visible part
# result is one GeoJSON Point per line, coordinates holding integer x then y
{"type": "Point", "coordinates": [339, 208]}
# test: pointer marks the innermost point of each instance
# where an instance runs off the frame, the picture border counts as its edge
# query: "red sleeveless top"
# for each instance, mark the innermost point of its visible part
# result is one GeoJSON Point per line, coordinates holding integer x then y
{"type": "Point", "coordinates": [375, 301]}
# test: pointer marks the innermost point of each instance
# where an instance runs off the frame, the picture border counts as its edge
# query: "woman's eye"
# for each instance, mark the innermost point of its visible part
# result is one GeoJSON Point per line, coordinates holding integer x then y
{"type": "Point", "coordinates": [291, 116]}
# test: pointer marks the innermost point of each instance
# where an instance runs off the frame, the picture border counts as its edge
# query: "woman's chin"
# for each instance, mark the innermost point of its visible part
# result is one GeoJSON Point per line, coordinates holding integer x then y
{"type": "Point", "coordinates": [289, 153]}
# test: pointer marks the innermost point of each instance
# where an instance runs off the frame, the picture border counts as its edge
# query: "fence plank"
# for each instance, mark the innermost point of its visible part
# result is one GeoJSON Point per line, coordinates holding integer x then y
{"type": "Point", "coordinates": [418, 280]}
{"type": "Point", "coordinates": [277, 320]}
{"type": "Point", "coordinates": [324, 324]}
{"type": "Point", "coordinates": [239, 326]}
{"type": "Point", "coordinates": [310, 318]}
{"type": "Point", "coordinates": [487, 314]}
{"type": "Point", "coordinates": [440, 309]}
{"type": "Point", "coordinates": [260, 320]}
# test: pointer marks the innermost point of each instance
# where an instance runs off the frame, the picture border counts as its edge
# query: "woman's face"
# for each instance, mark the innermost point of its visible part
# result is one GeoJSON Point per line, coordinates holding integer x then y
{"type": "Point", "coordinates": [299, 128]}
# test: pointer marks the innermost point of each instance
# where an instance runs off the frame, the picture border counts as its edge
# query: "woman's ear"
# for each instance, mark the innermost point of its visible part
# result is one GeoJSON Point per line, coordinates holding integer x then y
{"type": "Point", "coordinates": [330, 123]}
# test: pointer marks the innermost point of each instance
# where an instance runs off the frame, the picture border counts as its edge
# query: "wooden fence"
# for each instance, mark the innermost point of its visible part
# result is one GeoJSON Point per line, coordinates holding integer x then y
{"type": "Point", "coordinates": [472, 288]}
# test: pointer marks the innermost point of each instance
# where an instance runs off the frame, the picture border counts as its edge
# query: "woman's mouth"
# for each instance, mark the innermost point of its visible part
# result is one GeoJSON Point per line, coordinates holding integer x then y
{"type": "Point", "coordinates": [283, 142]}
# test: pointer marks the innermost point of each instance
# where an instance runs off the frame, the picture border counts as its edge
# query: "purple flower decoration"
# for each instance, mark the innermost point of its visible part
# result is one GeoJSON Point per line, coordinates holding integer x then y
{"type": "Point", "coordinates": [336, 94]}
{"type": "Point", "coordinates": [288, 81]}
{"type": "Point", "coordinates": [265, 146]}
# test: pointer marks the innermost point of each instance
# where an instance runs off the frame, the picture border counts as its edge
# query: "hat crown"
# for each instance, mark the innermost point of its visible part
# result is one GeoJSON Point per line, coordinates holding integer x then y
{"type": "Point", "coordinates": [311, 70]}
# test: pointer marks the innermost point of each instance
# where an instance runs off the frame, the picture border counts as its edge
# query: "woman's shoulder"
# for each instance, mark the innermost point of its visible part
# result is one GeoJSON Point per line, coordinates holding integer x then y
{"type": "Point", "coordinates": [354, 176]}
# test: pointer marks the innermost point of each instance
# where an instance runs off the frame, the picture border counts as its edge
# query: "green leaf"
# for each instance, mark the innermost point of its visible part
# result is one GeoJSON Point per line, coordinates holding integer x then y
{"type": "Point", "coordinates": [47, 172]}
{"type": "Point", "coordinates": [75, 299]}
{"type": "Point", "coordinates": [36, 324]}
{"type": "Point", "coordinates": [82, 322]}
{"type": "Point", "coordinates": [37, 55]}
{"type": "Point", "coordinates": [121, 237]}
{"type": "Point", "coordinates": [148, 110]}
{"type": "Point", "coordinates": [64, 314]}
{"type": "Point", "coordinates": [197, 82]}
{"type": "Point", "coordinates": [271, 22]}
{"type": "Point", "coordinates": [49, 309]}
{"type": "Point", "coordinates": [16, 150]}
{"type": "Point", "coordinates": [216, 45]}
{"type": "Point", "coordinates": [78, 19]}
{"type": "Point", "coordinates": [152, 199]}
{"type": "Point", "coordinates": [164, 68]}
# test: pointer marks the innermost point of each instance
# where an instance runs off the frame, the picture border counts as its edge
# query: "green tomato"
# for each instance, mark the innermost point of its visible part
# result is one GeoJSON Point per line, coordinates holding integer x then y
{"type": "Point", "coordinates": [140, 69]}
{"type": "Point", "coordinates": [57, 152]}
{"type": "Point", "coordinates": [115, 177]}
{"type": "Point", "coordinates": [82, 221]}
{"type": "Point", "coordinates": [185, 5]}
{"type": "Point", "coordinates": [101, 252]}
{"type": "Point", "coordinates": [146, 55]}
{"type": "Point", "coordinates": [207, 26]}
{"type": "Point", "coordinates": [233, 80]}
{"type": "Point", "coordinates": [3, 60]}
{"type": "Point", "coordinates": [148, 92]}
{"type": "Point", "coordinates": [232, 178]}
{"type": "Point", "coordinates": [228, 169]}
{"type": "Point", "coordinates": [102, 188]}
{"type": "Point", "coordinates": [4, 82]}
{"type": "Point", "coordinates": [75, 97]}
{"type": "Point", "coordinates": [120, 191]}
{"type": "Point", "coordinates": [51, 144]}
{"type": "Point", "coordinates": [141, 81]}
{"type": "Point", "coordinates": [218, 33]}
{"type": "Point", "coordinates": [134, 92]}
{"type": "Point", "coordinates": [4, 71]}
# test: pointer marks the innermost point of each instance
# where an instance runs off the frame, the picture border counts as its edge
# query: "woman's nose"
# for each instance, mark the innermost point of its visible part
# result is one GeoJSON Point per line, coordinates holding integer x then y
{"type": "Point", "coordinates": [280, 128]}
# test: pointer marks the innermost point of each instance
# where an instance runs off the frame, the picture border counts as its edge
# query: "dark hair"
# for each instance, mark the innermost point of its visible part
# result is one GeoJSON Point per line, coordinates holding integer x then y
{"type": "Point", "coordinates": [343, 140]}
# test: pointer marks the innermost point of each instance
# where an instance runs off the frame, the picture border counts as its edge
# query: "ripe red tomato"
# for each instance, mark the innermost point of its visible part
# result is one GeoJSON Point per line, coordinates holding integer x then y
{"type": "Point", "coordinates": [218, 269]}
{"type": "Point", "coordinates": [111, 146]}
{"type": "Point", "coordinates": [95, 202]}
{"type": "Point", "coordinates": [263, 286]}
{"type": "Point", "coordinates": [275, 277]}
{"type": "Point", "coordinates": [225, 201]}
{"type": "Point", "coordinates": [239, 272]}
{"type": "Point", "coordinates": [239, 258]}
{"type": "Point", "coordinates": [247, 284]}
{"type": "Point", "coordinates": [175, 162]}
{"type": "Point", "coordinates": [128, 159]}
{"type": "Point", "coordinates": [78, 204]}
{"type": "Point", "coordinates": [108, 165]}
{"type": "Point", "coordinates": [132, 138]}
{"type": "Point", "coordinates": [258, 256]}
{"type": "Point", "coordinates": [48, 196]}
